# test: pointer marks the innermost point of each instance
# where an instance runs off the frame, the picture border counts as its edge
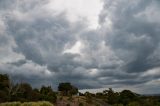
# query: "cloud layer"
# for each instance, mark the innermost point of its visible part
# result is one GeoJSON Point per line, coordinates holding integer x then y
{"type": "Point", "coordinates": [41, 44]}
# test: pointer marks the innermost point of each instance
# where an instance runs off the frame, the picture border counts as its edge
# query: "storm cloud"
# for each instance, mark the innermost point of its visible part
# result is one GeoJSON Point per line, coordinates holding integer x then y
{"type": "Point", "coordinates": [44, 44]}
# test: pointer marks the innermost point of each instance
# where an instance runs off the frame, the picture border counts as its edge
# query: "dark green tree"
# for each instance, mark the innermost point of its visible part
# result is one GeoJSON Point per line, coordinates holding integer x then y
{"type": "Point", "coordinates": [67, 89]}
{"type": "Point", "coordinates": [47, 94]}
{"type": "Point", "coordinates": [88, 97]}
{"type": "Point", "coordinates": [35, 95]}
{"type": "Point", "coordinates": [4, 82]}
{"type": "Point", "coordinates": [4, 87]}
{"type": "Point", "coordinates": [112, 96]}
{"type": "Point", "coordinates": [73, 91]}
{"type": "Point", "coordinates": [24, 91]}
{"type": "Point", "coordinates": [127, 96]}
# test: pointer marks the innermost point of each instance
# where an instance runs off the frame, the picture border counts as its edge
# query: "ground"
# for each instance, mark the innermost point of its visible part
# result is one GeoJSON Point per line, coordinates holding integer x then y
{"type": "Point", "coordinates": [76, 100]}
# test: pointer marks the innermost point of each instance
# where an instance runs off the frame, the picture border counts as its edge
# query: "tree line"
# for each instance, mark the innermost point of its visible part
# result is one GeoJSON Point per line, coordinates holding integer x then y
{"type": "Point", "coordinates": [24, 92]}
{"type": "Point", "coordinates": [123, 98]}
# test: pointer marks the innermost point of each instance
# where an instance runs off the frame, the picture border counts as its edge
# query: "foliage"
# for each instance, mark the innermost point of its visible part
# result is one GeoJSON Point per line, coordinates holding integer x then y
{"type": "Point", "coordinates": [23, 92]}
{"type": "Point", "coordinates": [81, 104]}
{"type": "Point", "coordinates": [67, 89]}
{"type": "Point", "coordinates": [118, 105]}
{"type": "Point", "coordinates": [134, 104]}
{"type": "Point", "coordinates": [4, 87]}
{"type": "Point", "coordinates": [88, 97]}
{"type": "Point", "coordinates": [126, 96]}
{"type": "Point", "coordinates": [68, 104]}
{"type": "Point", "coordinates": [47, 94]}
{"type": "Point", "coordinates": [11, 104]}
{"type": "Point", "coordinates": [26, 104]}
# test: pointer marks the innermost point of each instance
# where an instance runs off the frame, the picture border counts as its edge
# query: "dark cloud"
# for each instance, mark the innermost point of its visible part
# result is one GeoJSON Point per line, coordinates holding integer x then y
{"type": "Point", "coordinates": [133, 37]}
{"type": "Point", "coordinates": [43, 47]}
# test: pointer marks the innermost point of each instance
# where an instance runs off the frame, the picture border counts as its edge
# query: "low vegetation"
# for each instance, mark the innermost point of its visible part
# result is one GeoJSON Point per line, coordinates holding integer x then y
{"type": "Point", "coordinates": [26, 104]}
{"type": "Point", "coordinates": [10, 93]}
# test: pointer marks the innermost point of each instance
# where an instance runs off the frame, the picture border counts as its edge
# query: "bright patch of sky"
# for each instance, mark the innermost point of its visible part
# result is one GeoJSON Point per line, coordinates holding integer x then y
{"type": "Point", "coordinates": [78, 10]}
{"type": "Point", "coordinates": [75, 49]}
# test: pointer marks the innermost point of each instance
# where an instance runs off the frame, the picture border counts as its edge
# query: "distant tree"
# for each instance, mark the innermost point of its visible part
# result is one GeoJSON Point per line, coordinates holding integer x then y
{"type": "Point", "coordinates": [4, 87]}
{"type": "Point", "coordinates": [99, 95]}
{"type": "Point", "coordinates": [4, 82]}
{"type": "Point", "coordinates": [3, 96]}
{"type": "Point", "coordinates": [46, 90]}
{"type": "Point", "coordinates": [23, 91]}
{"type": "Point", "coordinates": [88, 97]}
{"type": "Point", "coordinates": [35, 95]}
{"type": "Point", "coordinates": [112, 97]}
{"type": "Point", "coordinates": [73, 91]}
{"type": "Point", "coordinates": [47, 94]}
{"type": "Point", "coordinates": [127, 96]}
{"type": "Point", "coordinates": [81, 104]}
{"type": "Point", "coordinates": [67, 89]}
{"type": "Point", "coordinates": [81, 94]}
{"type": "Point", "coordinates": [105, 92]}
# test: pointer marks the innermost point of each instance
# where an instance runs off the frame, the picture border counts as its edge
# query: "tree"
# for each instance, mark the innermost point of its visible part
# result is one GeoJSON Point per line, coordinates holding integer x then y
{"type": "Point", "coordinates": [3, 96]}
{"type": "Point", "coordinates": [47, 94]}
{"type": "Point", "coordinates": [4, 86]}
{"type": "Point", "coordinates": [112, 97]}
{"type": "Point", "coordinates": [4, 82]}
{"type": "Point", "coordinates": [88, 97]}
{"type": "Point", "coordinates": [99, 95]}
{"type": "Point", "coordinates": [127, 96]}
{"type": "Point", "coordinates": [73, 91]}
{"type": "Point", "coordinates": [46, 90]}
{"type": "Point", "coordinates": [35, 95]}
{"type": "Point", "coordinates": [67, 89]}
{"type": "Point", "coordinates": [23, 92]}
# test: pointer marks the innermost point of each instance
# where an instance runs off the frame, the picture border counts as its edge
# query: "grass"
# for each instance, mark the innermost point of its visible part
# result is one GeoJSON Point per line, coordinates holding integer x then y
{"type": "Point", "coordinates": [26, 104]}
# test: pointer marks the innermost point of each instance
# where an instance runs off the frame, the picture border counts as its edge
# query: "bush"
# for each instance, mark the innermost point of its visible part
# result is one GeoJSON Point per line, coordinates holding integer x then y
{"type": "Point", "coordinates": [26, 104]}
{"type": "Point", "coordinates": [118, 105]}
{"type": "Point", "coordinates": [81, 104]}
{"type": "Point", "coordinates": [68, 105]}
{"type": "Point", "coordinates": [70, 98]}
{"type": "Point", "coordinates": [11, 104]}
{"type": "Point", "coordinates": [134, 104]}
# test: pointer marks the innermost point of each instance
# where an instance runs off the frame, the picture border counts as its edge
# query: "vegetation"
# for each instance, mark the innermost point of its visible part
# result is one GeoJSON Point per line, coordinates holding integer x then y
{"type": "Point", "coordinates": [28, 96]}
{"type": "Point", "coordinates": [23, 92]}
{"type": "Point", "coordinates": [67, 89]}
{"type": "Point", "coordinates": [26, 104]}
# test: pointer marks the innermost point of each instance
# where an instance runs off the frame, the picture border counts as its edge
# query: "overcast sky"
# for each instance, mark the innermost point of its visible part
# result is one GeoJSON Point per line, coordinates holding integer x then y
{"type": "Point", "coordinates": [90, 43]}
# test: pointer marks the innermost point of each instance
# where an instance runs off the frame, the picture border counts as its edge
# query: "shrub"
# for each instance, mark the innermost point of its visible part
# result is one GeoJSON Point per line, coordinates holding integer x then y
{"type": "Point", "coordinates": [81, 104]}
{"type": "Point", "coordinates": [68, 105]}
{"type": "Point", "coordinates": [11, 104]}
{"type": "Point", "coordinates": [26, 104]}
{"type": "Point", "coordinates": [97, 105]}
{"type": "Point", "coordinates": [134, 104]}
{"type": "Point", "coordinates": [118, 105]}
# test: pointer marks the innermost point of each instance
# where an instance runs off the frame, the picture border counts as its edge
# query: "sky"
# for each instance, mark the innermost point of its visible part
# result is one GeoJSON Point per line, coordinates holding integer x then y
{"type": "Point", "coordinates": [94, 44]}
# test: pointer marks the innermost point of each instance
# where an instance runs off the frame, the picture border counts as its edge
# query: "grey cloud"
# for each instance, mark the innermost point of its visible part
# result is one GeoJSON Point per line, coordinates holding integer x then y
{"type": "Point", "coordinates": [133, 37]}
{"type": "Point", "coordinates": [116, 54]}
{"type": "Point", "coordinates": [136, 37]}
{"type": "Point", "coordinates": [41, 39]}
{"type": "Point", "coordinates": [18, 63]}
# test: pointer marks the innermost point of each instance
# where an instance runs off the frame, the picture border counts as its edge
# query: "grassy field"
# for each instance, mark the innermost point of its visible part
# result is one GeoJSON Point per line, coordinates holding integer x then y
{"type": "Point", "coordinates": [26, 104]}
